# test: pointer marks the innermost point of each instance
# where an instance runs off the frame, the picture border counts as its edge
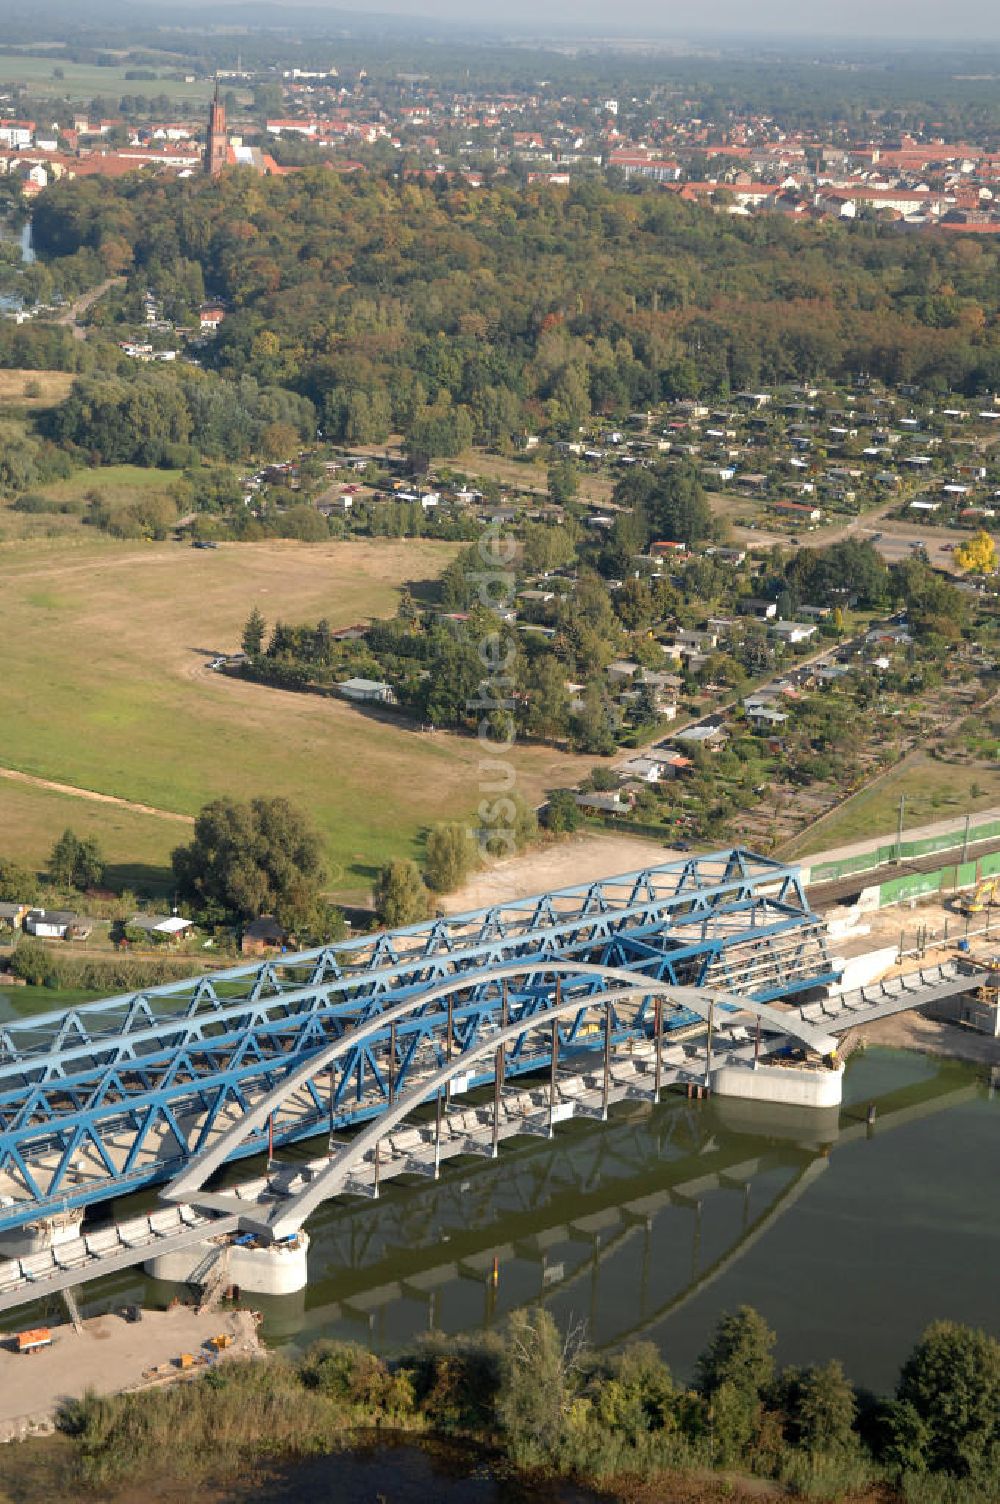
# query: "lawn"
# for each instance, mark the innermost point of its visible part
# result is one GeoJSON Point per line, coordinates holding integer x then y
{"type": "Point", "coordinates": [933, 791]}
{"type": "Point", "coordinates": [107, 688]}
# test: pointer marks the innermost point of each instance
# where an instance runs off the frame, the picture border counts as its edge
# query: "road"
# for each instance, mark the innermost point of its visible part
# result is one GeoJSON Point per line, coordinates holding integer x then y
{"type": "Point", "coordinates": [70, 317]}
{"type": "Point", "coordinates": [894, 538]}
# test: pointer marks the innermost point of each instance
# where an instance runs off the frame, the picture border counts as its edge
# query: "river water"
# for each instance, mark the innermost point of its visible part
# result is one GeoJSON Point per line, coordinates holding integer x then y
{"type": "Point", "coordinates": [849, 1240]}
{"type": "Point", "coordinates": [11, 302]}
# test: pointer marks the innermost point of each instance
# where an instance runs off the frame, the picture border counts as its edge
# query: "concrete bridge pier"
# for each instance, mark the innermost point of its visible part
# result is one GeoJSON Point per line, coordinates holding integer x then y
{"type": "Point", "coordinates": [37, 1237]}
{"type": "Point", "coordinates": [771, 1081]}
{"type": "Point", "coordinates": [258, 1268]}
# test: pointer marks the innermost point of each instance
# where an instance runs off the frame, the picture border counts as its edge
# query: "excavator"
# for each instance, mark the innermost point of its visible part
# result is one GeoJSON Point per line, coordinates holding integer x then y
{"type": "Point", "coordinates": [983, 896]}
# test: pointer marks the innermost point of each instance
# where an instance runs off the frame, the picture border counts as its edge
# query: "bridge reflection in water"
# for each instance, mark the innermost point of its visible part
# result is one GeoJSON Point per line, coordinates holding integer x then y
{"type": "Point", "coordinates": [618, 1224]}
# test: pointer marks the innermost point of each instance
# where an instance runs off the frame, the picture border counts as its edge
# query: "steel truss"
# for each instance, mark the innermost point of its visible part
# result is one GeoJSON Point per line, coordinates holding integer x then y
{"type": "Point", "coordinates": [120, 1093]}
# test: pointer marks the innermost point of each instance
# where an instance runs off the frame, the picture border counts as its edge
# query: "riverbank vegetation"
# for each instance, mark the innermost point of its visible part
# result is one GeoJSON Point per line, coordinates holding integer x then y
{"type": "Point", "coordinates": [550, 1405]}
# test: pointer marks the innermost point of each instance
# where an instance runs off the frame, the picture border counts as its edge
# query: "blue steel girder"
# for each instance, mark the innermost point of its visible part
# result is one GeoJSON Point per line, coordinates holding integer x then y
{"type": "Point", "coordinates": [667, 888]}
{"type": "Point", "coordinates": [135, 1063]}
{"type": "Point", "coordinates": [214, 1027]}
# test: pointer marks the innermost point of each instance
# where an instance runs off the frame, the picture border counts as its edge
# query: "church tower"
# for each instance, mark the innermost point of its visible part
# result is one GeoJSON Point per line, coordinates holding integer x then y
{"type": "Point", "coordinates": [218, 142]}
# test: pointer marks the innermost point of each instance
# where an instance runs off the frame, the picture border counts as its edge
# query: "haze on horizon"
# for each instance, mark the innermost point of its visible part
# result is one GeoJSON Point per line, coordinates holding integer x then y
{"type": "Point", "coordinates": [895, 21]}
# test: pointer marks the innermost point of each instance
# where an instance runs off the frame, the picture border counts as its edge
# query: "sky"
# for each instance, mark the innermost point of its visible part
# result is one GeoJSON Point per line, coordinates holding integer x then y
{"type": "Point", "coordinates": [896, 20]}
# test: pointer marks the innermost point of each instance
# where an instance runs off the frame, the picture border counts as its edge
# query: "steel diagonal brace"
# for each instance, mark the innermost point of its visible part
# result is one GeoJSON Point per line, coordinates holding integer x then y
{"type": "Point", "coordinates": [698, 1000]}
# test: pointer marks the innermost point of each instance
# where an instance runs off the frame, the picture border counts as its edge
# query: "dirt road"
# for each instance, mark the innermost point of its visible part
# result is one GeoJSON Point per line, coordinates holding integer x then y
{"type": "Point", "coordinates": [70, 316]}
{"type": "Point", "coordinates": [68, 788]}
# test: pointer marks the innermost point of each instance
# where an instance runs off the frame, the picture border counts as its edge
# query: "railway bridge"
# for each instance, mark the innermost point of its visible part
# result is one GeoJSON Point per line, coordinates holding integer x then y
{"type": "Point", "coordinates": [593, 994]}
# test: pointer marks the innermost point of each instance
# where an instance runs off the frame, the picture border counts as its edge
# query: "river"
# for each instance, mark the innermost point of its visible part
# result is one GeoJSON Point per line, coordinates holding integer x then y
{"type": "Point", "coordinates": [849, 1240]}
{"type": "Point", "coordinates": [11, 302]}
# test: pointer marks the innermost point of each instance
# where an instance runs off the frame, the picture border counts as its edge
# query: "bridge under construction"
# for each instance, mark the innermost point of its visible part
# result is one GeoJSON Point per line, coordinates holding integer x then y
{"type": "Point", "coordinates": [405, 1048]}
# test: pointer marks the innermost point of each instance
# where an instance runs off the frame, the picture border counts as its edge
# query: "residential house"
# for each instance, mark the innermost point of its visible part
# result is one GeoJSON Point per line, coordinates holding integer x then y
{"type": "Point", "coordinates": [262, 935]}
{"type": "Point", "coordinates": [702, 640]}
{"type": "Point", "coordinates": [761, 610]}
{"type": "Point", "coordinates": [12, 915]}
{"type": "Point", "coordinates": [765, 718]}
{"type": "Point", "coordinates": [829, 674]}
{"type": "Point", "coordinates": [614, 803]}
{"type": "Point", "coordinates": [815, 613]}
{"type": "Point", "coordinates": [368, 691]}
{"type": "Point", "coordinates": [642, 769]}
{"type": "Point", "coordinates": [676, 765]}
{"type": "Point", "coordinates": [798, 511]}
{"type": "Point", "coordinates": [792, 632]}
{"type": "Point", "coordinates": [56, 924]}
{"type": "Point", "coordinates": [711, 737]}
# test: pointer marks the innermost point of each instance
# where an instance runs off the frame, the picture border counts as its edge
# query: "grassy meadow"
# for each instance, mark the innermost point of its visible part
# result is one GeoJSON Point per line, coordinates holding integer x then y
{"type": "Point", "coordinates": [116, 485]}
{"type": "Point", "coordinates": [82, 82]}
{"type": "Point", "coordinates": [933, 791]}
{"type": "Point", "coordinates": [30, 390]}
{"type": "Point", "coordinates": [107, 688]}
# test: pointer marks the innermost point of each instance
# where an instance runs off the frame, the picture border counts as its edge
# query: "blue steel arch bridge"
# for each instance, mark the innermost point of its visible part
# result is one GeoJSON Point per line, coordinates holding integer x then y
{"type": "Point", "coordinates": [166, 1084]}
{"type": "Point", "coordinates": [121, 1093]}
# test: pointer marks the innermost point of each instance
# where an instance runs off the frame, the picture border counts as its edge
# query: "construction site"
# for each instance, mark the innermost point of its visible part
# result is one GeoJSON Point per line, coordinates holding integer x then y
{"type": "Point", "coordinates": [725, 977]}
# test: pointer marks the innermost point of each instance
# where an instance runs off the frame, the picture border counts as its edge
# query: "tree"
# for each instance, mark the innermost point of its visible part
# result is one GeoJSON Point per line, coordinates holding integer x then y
{"type": "Point", "coordinates": [62, 859]}
{"type": "Point", "coordinates": [824, 1409]}
{"type": "Point", "coordinates": [733, 1371]}
{"type": "Point", "coordinates": [76, 863]}
{"type": "Point", "coordinates": [261, 857]}
{"type": "Point", "coordinates": [400, 895]}
{"type": "Point", "coordinates": [253, 634]}
{"type": "Point", "coordinates": [538, 1385]}
{"type": "Point", "coordinates": [679, 510]}
{"type": "Point", "coordinates": [17, 884]}
{"type": "Point", "coordinates": [591, 726]}
{"type": "Point", "coordinates": [507, 824]}
{"type": "Point", "coordinates": [452, 853]}
{"type": "Point", "coordinates": [278, 441]}
{"type": "Point", "coordinates": [562, 813]}
{"type": "Point", "coordinates": [563, 482]}
{"type": "Point", "coordinates": [545, 700]}
{"type": "Point", "coordinates": [978, 555]}
{"type": "Point", "coordinates": [89, 867]}
{"type": "Point", "coordinates": [951, 1384]}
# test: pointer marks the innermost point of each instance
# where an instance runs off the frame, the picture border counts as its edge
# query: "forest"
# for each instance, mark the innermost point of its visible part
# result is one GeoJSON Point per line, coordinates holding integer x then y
{"type": "Point", "coordinates": [451, 314]}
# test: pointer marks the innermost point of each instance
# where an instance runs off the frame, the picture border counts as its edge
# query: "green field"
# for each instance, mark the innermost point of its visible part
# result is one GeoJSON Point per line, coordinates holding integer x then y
{"type": "Point", "coordinates": [84, 81]}
{"type": "Point", "coordinates": [106, 688]}
{"type": "Point", "coordinates": [114, 483]}
{"type": "Point", "coordinates": [137, 846]}
{"type": "Point", "coordinates": [933, 791]}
